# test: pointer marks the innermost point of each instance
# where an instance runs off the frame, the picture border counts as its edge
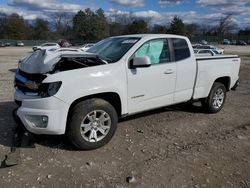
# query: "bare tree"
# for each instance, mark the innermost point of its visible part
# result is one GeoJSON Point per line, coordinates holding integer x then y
{"type": "Point", "coordinates": [62, 22]}
{"type": "Point", "coordinates": [226, 25]}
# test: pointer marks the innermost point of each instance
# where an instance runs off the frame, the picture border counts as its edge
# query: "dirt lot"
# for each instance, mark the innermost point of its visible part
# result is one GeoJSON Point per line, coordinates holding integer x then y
{"type": "Point", "coordinates": [178, 146]}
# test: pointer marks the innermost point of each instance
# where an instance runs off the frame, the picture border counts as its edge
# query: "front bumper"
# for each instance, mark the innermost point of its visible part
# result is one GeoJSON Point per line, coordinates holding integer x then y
{"type": "Point", "coordinates": [53, 108]}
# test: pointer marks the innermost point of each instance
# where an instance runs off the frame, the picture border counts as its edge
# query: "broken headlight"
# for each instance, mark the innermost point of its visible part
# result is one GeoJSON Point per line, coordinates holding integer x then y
{"type": "Point", "coordinates": [32, 85]}
{"type": "Point", "coordinates": [49, 89]}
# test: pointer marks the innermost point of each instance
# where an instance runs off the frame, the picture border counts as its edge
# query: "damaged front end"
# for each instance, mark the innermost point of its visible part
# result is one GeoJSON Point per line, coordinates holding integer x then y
{"type": "Point", "coordinates": [40, 111]}
{"type": "Point", "coordinates": [34, 69]}
{"type": "Point", "coordinates": [29, 84]}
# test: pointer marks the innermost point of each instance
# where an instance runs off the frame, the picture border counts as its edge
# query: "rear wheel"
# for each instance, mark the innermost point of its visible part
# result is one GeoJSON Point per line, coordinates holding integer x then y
{"type": "Point", "coordinates": [216, 99]}
{"type": "Point", "coordinates": [93, 124]}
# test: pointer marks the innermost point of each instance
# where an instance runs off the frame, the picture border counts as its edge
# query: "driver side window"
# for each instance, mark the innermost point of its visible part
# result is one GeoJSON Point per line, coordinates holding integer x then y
{"type": "Point", "coordinates": [157, 50]}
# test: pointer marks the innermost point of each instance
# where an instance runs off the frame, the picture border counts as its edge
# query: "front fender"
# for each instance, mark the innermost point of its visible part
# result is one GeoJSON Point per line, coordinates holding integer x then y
{"type": "Point", "coordinates": [83, 82]}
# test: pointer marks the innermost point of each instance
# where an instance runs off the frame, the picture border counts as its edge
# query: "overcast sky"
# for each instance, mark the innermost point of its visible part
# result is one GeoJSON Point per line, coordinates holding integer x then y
{"type": "Point", "coordinates": [159, 11]}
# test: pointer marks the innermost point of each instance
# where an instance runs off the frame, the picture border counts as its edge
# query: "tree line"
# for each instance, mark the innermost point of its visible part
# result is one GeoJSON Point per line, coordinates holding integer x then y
{"type": "Point", "coordinates": [89, 25]}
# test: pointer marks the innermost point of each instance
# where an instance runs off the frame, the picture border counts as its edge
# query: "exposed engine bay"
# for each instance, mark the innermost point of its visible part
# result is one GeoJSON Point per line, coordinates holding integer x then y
{"type": "Point", "coordinates": [70, 63]}
{"type": "Point", "coordinates": [35, 68]}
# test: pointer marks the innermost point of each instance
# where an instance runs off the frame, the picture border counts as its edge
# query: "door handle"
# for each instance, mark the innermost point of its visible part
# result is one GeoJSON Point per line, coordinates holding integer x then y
{"type": "Point", "coordinates": [169, 71]}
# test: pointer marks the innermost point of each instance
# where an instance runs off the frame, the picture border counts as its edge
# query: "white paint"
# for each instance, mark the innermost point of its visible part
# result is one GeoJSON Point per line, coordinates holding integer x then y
{"type": "Point", "coordinates": [139, 89]}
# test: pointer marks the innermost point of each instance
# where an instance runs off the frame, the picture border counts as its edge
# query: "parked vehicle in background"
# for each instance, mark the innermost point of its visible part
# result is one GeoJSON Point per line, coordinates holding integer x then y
{"type": "Point", "coordinates": [204, 42]}
{"type": "Point", "coordinates": [242, 43]}
{"type": "Point", "coordinates": [211, 47]}
{"type": "Point", "coordinates": [2, 44]}
{"type": "Point", "coordinates": [7, 44]}
{"type": "Point", "coordinates": [55, 50]}
{"type": "Point", "coordinates": [46, 46]}
{"type": "Point", "coordinates": [248, 41]}
{"type": "Point", "coordinates": [86, 46]}
{"type": "Point", "coordinates": [64, 43]}
{"type": "Point", "coordinates": [20, 44]}
{"type": "Point", "coordinates": [206, 52]}
{"type": "Point", "coordinates": [196, 45]}
{"type": "Point", "coordinates": [226, 42]}
{"type": "Point", "coordinates": [83, 94]}
{"type": "Point", "coordinates": [234, 42]}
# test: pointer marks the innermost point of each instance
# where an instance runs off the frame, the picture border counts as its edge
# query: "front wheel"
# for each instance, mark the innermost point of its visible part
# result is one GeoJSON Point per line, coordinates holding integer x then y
{"type": "Point", "coordinates": [93, 124]}
{"type": "Point", "coordinates": [216, 99]}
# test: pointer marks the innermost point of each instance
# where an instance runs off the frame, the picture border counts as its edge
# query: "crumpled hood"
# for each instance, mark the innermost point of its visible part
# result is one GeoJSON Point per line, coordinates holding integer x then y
{"type": "Point", "coordinates": [33, 63]}
{"type": "Point", "coordinates": [42, 62]}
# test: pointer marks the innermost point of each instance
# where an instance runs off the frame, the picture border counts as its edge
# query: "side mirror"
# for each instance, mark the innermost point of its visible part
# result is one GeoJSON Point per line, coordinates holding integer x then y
{"type": "Point", "coordinates": [140, 62]}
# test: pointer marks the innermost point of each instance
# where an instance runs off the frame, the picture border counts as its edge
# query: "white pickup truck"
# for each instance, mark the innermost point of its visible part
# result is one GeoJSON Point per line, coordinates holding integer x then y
{"type": "Point", "coordinates": [82, 94]}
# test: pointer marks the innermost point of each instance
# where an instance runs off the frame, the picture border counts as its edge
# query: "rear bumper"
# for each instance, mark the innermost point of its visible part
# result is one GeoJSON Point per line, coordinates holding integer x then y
{"type": "Point", "coordinates": [237, 83]}
{"type": "Point", "coordinates": [33, 110]}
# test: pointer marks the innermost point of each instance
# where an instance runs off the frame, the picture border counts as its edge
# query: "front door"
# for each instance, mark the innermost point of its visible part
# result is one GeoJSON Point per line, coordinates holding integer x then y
{"type": "Point", "coordinates": [153, 86]}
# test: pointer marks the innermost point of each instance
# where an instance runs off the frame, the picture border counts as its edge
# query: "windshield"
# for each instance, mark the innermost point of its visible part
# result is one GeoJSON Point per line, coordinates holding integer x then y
{"type": "Point", "coordinates": [113, 48]}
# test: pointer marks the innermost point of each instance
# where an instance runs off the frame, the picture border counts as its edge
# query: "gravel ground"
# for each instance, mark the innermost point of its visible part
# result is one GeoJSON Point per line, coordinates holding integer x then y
{"type": "Point", "coordinates": [178, 146]}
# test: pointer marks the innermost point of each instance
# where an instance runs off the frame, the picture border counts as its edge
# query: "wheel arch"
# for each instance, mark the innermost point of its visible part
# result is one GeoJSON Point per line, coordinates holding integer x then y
{"type": "Point", "coordinates": [111, 97]}
{"type": "Point", "coordinates": [225, 80]}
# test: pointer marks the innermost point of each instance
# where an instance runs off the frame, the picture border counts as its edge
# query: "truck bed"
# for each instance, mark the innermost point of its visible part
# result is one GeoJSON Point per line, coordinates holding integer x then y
{"type": "Point", "coordinates": [211, 67]}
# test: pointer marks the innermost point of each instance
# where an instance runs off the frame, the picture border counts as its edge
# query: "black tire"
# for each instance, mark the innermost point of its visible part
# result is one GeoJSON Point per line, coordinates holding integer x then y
{"type": "Point", "coordinates": [208, 103]}
{"type": "Point", "coordinates": [79, 114]}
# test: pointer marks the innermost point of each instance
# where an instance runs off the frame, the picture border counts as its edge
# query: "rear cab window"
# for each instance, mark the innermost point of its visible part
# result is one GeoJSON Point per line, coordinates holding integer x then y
{"type": "Point", "coordinates": [181, 49]}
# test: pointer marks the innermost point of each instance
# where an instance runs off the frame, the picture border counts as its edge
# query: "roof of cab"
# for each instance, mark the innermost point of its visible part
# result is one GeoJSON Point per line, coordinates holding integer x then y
{"type": "Point", "coordinates": [152, 36]}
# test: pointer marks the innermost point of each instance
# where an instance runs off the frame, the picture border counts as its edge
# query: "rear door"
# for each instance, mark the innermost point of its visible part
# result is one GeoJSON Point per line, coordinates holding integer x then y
{"type": "Point", "coordinates": [153, 86]}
